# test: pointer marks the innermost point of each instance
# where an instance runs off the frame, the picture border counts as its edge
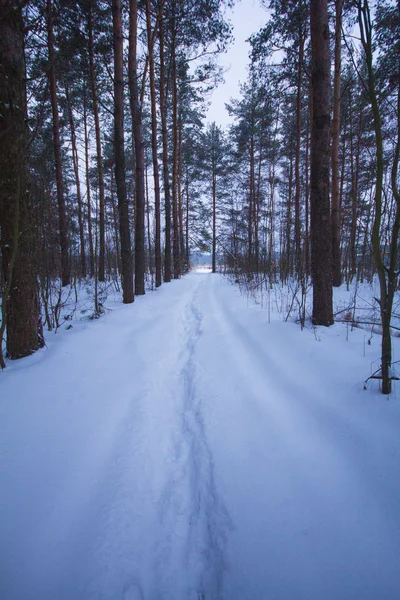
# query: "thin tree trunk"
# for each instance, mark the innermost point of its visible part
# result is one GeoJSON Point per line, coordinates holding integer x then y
{"type": "Point", "coordinates": [187, 222]}
{"type": "Point", "coordinates": [336, 267]}
{"type": "Point", "coordinates": [289, 219]}
{"type": "Point", "coordinates": [136, 113]}
{"type": "Point", "coordinates": [88, 194]}
{"type": "Point", "coordinates": [214, 217]}
{"type": "Point", "coordinates": [62, 216]}
{"type": "Point", "coordinates": [175, 216]}
{"type": "Point", "coordinates": [148, 224]}
{"type": "Point", "coordinates": [167, 189]}
{"type": "Point", "coordinates": [75, 161]}
{"type": "Point", "coordinates": [297, 228]}
{"type": "Point", "coordinates": [100, 171]}
{"type": "Point", "coordinates": [116, 228]}
{"type": "Point", "coordinates": [251, 207]}
{"type": "Point", "coordinates": [126, 255]}
{"type": "Point", "coordinates": [154, 148]}
{"type": "Point", "coordinates": [180, 201]}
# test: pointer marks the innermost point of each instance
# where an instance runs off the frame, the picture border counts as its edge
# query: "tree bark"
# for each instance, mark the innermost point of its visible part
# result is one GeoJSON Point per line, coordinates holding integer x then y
{"type": "Point", "coordinates": [123, 208]}
{"type": "Point", "coordinates": [88, 195]}
{"type": "Point", "coordinates": [321, 237]}
{"type": "Point", "coordinates": [75, 161]}
{"type": "Point", "coordinates": [136, 113]}
{"type": "Point", "coordinates": [62, 216]}
{"type": "Point", "coordinates": [100, 171]}
{"type": "Point", "coordinates": [154, 149]}
{"type": "Point", "coordinates": [336, 266]}
{"type": "Point", "coordinates": [19, 245]}
{"type": "Point", "coordinates": [297, 225]}
{"type": "Point", "coordinates": [214, 216]}
{"type": "Point", "coordinates": [175, 215]}
{"type": "Point", "coordinates": [167, 189]}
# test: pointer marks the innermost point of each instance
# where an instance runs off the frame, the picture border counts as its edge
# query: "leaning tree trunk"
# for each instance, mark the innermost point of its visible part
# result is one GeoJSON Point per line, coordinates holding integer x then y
{"type": "Point", "coordinates": [123, 208]}
{"type": "Point", "coordinates": [20, 305]}
{"type": "Point", "coordinates": [321, 240]}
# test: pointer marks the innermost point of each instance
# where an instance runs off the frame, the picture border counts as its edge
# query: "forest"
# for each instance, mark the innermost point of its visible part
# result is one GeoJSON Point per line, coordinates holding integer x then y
{"type": "Point", "coordinates": [111, 174]}
{"type": "Point", "coordinates": [199, 315]}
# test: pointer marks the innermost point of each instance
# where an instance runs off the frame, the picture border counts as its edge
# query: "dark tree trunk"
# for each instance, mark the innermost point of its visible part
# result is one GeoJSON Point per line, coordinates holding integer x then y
{"type": "Point", "coordinates": [123, 208]}
{"type": "Point", "coordinates": [336, 267]}
{"type": "Point", "coordinates": [62, 217]}
{"type": "Point", "coordinates": [167, 189]}
{"type": "Point", "coordinates": [187, 223]}
{"type": "Point", "coordinates": [75, 161]}
{"type": "Point", "coordinates": [100, 171]}
{"type": "Point", "coordinates": [214, 224]}
{"type": "Point", "coordinates": [154, 148]}
{"type": "Point", "coordinates": [321, 237]}
{"type": "Point", "coordinates": [297, 216]}
{"type": "Point", "coordinates": [175, 215]}
{"type": "Point", "coordinates": [180, 201]}
{"type": "Point", "coordinates": [136, 113]}
{"type": "Point", "coordinates": [251, 208]}
{"type": "Point", "coordinates": [116, 228]}
{"type": "Point", "coordinates": [88, 196]}
{"type": "Point", "coordinates": [148, 225]}
{"type": "Point", "coordinates": [21, 307]}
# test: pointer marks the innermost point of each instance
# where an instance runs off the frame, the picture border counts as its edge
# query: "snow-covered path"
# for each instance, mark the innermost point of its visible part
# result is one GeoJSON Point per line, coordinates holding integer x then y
{"type": "Point", "coordinates": [184, 448]}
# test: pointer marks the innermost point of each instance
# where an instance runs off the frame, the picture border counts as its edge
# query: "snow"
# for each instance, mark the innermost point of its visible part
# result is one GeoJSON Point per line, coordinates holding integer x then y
{"type": "Point", "coordinates": [185, 447]}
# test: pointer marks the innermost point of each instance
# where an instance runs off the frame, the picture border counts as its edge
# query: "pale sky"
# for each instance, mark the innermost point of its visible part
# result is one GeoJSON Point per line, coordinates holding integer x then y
{"type": "Point", "coordinates": [247, 17]}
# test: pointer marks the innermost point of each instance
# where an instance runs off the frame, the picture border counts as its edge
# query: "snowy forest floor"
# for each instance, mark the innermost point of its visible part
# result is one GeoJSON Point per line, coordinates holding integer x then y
{"type": "Point", "coordinates": [193, 445]}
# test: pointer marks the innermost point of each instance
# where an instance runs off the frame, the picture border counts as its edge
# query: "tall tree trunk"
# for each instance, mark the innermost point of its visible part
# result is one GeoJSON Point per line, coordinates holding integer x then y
{"type": "Point", "coordinates": [88, 195]}
{"type": "Point", "coordinates": [167, 189]}
{"type": "Point", "coordinates": [148, 224]}
{"type": "Point", "coordinates": [100, 171]}
{"type": "Point", "coordinates": [126, 255]}
{"type": "Point", "coordinates": [175, 215]}
{"type": "Point", "coordinates": [116, 228]}
{"type": "Point", "coordinates": [214, 215]}
{"type": "Point", "coordinates": [154, 149]}
{"type": "Point", "coordinates": [180, 201]}
{"type": "Point", "coordinates": [321, 237]}
{"type": "Point", "coordinates": [136, 113]}
{"type": "Point", "coordinates": [251, 207]}
{"type": "Point", "coordinates": [297, 216]}
{"type": "Point", "coordinates": [62, 216]}
{"type": "Point", "coordinates": [336, 267]}
{"type": "Point", "coordinates": [75, 161]}
{"type": "Point", "coordinates": [289, 219]}
{"type": "Point", "coordinates": [19, 245]}
{"type": "Point", "coordinates": [355, 167]}
{"type": "Point", "coordinates": [187, 222]}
